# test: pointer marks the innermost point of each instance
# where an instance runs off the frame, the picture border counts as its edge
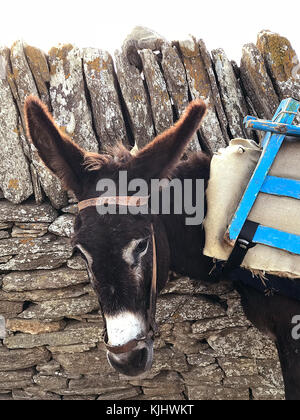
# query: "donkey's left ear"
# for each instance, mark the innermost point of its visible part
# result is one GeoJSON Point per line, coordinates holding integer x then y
{"type": "Point", "coordinates": [59, 153]}
{"type": "Point", "coordinates": [158, 158]}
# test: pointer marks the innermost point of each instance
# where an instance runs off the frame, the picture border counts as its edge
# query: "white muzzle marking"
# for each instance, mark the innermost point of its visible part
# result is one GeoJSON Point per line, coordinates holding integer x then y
{"type": "Point", "coordinates": [124, 327]}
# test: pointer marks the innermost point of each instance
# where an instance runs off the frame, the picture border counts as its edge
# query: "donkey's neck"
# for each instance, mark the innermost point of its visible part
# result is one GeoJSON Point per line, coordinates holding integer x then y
{"type": "Point", "coordinates": [187, 242]}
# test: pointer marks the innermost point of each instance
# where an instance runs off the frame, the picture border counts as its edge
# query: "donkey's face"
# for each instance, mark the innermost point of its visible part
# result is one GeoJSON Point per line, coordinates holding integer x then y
{"type": "Point", "coordinates": [122, 252]}
{"type": "Point", "coordinates": [119, 255]}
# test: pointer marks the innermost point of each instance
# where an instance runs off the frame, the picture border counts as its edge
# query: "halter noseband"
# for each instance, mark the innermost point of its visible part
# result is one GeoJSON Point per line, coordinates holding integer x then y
{"type": "Point", "coordinates": [136, 202]}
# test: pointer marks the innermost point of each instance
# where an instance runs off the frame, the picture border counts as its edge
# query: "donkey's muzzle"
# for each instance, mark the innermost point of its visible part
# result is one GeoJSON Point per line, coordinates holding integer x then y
{"type": "Point", "coordinates": [135, 362]}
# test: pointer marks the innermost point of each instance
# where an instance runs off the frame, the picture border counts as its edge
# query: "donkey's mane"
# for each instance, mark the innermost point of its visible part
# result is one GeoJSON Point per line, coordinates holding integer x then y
{"type": "Point", "coordinates": [117, 154]}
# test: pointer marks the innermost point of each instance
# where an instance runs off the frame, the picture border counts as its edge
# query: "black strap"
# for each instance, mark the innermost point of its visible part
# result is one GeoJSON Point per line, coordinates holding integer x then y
{"type": "Point", "coordinates": [242, 246]}
{"type": "Point", "coordinates": [270, 285]}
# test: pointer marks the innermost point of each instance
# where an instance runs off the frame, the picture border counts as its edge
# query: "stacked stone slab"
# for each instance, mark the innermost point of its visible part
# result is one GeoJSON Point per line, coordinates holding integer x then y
{"type": "Point", "coordinates": [53, 349]}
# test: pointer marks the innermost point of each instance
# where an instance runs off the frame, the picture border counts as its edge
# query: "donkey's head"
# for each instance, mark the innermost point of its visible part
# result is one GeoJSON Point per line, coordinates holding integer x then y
{"type": "Point", "coordinates": [127, 255]}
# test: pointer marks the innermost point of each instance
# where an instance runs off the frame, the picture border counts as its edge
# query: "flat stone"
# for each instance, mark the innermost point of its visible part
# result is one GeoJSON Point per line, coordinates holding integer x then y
{"type": "Point", "coordinates": [200, 360]}
{"type": "Point", "coordinates": [231, 93]}
{"type": "Point", "coordinates": [211, 374]}
{"type": "Point", "coordinates": [5, 259]}
{"type": "Point", "coordinates": [72, 209]}
{"type": "Point", "coordinates": [35, 230]}
{"type": "Point", "coordinates": [207, 327]}
{"type": "Point", "coordinates": [7, 225]}
{"type": "Point", "coordinates": [50, 368]}
{"type": "Point", "coordinates": [15, 179]}
{"type": "Point", "coordinates": [68, 99]}
{"type": "Point", "coordinates": [168, 359]}
{"type": "Point", "coordinates": [92, 362]}
{"type": "Point", "coordinates": [46, 244]}
{"type": "Point", "coordinates": [38, 64]}
{"type": "Point", "coordinates": [99, 383]}
{"type": "Point", "coordinates": [176, 397]}
{"type": "Point", "coordinates": [235, 309]}
{"type": "Point", "coordinates": [35, 394]}
{"type": "Point", "coordinates": [257, 83]}
{"type": "Point", "coordinates": [89, 334]}
{"type": "Point", "coordinates": [268, 394]}
{"type": "Point", "coordinates": [181, 308]}
{"type": "Point", "coordinates": [27, 233]}
{"type": "Point", "coordinates": [238, 367]}
{"type": "Point", "coordinates": [92, 318]}
{"type": "Point", "coordinates": [175, 77]}
{"type": "Point", "coordinates": [56, 309]}
{"type": "Point", "coordinates": [200, 87]}
{"type": "Point", "coordinates": [125, 394]}
{"type": "Point", "coordinates": [37, 187]}
{"type": "Point", "coordinates": [163, 377]}
{"type": "Point", "coordinates": [22, 76]}
{"type": "Point", "coordinates": [46, 294]}
{"type": "Point", "coordinates": [11, 360]}
{"type": "Point", "coordinates": [63, 226]}
{"type": "Point", "coordinates": [72, 199]}
{"type": "Point", "coordinates": [76, 262]}
{"type": "Point", "coordinates": [71, 349]}
{"type": "Point", "coordinates": [135, 97]}
{"type": "Point", "coordinates": [281, 61]}
{"type": "Point", "coordinates": [164, 384]}
{"type": "Point", "coordinates": [6, 396]}
{"type": "Point", "coordinates": [102, 85]}
{"type": "Point", "coordinates": [10, 308]}
{"type": "Point", "coordinates": [159, 97]}
{"type": "Point", "coordinates": [243, 342]}
{"type": "Point", "coordinates": [16, 376]}
{"type": "Point", "coordinates": [38, 261]}
{"type": "Point", "coordinates": [35, 253]}
{"type": "Point", "coordinates": [245, 381]}
{"type": "Point", "coordinates": [52, 186]}
{"type": "Point", "coordinates": [50, 383]}
{"type": "Point", "coordinates": [209, 393]}
{"type": "Point", "coordinates": [187, 286]}
{"type": "Point", "coordinates": [98, 380]}
{"type": "Point", "coordinates": [40, 280]}
{"type": "Point", "coordinates": [15, 384]}
{"type": "Point", "coordinates": [32, 227]}
{"type": "Point", "coordinates": [182, 338]}
{"type": "Point", "coordinates": [207, 59]}
{"type": "Point", "coordinates": [33, 326]}
{"type": "Point", "coordinates": [271, 372]}
{"type": "Point", "coordinates": [4, 234]}
{"type": "Point", "coordinates": [10, 212]}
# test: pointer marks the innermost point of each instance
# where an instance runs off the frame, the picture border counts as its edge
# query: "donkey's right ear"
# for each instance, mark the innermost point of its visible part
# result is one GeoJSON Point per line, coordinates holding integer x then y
{"type": "Point", "coordinates": [59, 153]}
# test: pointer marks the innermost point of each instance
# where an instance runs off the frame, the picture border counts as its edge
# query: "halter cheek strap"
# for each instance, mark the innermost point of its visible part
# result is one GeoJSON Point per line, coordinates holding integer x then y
{"type": "Point", "coordinates": [133, 344]}
{"type": "Point", "coordinates": [137, 202]}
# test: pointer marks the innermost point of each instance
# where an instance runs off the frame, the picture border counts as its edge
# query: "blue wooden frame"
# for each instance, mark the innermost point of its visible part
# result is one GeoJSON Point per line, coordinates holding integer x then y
{"type": "Point", "coordinates": [281, 187]}
{"type": "Point", "coordinates": [276, 131]}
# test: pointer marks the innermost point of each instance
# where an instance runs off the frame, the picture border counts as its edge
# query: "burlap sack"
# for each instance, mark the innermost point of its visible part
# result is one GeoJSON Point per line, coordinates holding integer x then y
{"type": "Point", "coordinates": [231, 170]}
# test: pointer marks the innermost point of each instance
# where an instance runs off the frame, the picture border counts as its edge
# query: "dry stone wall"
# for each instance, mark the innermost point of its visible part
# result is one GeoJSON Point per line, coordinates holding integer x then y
{"type": "Point", "coordinates": [53, 348]}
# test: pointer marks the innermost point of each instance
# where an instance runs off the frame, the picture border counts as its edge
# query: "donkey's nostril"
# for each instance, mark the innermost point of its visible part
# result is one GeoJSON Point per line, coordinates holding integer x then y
{"type": "Point", "coordinates": [133, 363]}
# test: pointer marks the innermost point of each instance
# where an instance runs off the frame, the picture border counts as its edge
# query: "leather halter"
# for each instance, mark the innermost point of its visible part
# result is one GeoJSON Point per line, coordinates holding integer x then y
{"type": "Point", "coordinates": [119, 200]}
{"type": "Point", "coordinates": [151, 327]}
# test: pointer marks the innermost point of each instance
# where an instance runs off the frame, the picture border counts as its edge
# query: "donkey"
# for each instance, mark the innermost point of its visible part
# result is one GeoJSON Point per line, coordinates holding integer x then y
{"type": "Point", "coordinates": [129, 256]}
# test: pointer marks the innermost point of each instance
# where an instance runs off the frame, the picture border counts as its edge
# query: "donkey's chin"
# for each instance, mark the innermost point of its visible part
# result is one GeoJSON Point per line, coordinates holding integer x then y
{"type": "Point", "coordinates": [133, 363]}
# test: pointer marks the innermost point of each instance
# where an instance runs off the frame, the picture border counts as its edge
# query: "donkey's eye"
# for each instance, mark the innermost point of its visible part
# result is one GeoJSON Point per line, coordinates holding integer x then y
{"type": "Point", "coordinates": [142, 247]}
